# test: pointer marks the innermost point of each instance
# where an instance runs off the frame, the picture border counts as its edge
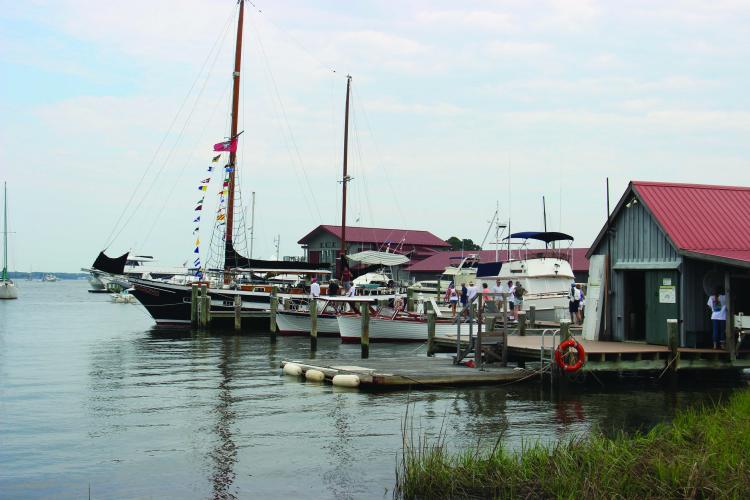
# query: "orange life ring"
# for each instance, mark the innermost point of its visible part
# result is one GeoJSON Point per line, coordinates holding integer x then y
{"type": "Point", "coordinates": [562, 350]}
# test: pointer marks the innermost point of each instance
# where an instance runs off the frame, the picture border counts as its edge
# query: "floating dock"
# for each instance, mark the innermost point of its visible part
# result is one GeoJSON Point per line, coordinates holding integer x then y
{"type": "Point", "coordinates": [413, 371]}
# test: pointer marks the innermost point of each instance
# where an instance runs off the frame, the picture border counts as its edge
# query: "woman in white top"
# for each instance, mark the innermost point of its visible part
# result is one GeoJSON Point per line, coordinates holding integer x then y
{"type": "Point", "coordinates": [717, 303]}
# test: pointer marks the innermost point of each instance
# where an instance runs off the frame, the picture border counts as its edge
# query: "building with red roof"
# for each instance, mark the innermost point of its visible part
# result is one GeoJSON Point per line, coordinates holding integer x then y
{"type": "Point", "coordinates": [670, 246]}
{"type": "Point", "coordinates": [322, 244]}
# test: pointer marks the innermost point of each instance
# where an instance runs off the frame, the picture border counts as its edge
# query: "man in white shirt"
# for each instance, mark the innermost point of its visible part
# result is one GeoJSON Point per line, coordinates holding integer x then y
{"type": "Point", "coordinates": [498, 288]}
{"type": "Point", "coordinates": [352, 290]}
{"type": "Point", "coordinates": [472, 291]}
{"type": "Point", "coordinates": [315, 288]}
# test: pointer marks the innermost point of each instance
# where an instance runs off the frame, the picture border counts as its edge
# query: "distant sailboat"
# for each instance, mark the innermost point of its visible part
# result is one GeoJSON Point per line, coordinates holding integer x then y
{"type": "Point", "coordinates": [8, 289]}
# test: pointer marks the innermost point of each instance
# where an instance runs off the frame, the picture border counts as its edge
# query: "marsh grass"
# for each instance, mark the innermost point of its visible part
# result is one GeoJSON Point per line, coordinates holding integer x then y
{"type": "Point", "coordinates": [702, 453]}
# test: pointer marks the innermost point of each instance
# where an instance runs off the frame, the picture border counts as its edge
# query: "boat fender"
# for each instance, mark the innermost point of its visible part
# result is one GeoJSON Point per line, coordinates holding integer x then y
{"type": "Point", "coordinates": [562, 350]}
{"type": "Point", "coordinates": [292, 369]}
{"type": "Point", "coordinates": [346, 380]}
{"type": "Point", "coordinates": [315, 375]}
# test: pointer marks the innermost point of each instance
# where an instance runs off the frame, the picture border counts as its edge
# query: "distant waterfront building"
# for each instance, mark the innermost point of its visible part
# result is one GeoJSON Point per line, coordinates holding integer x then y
{"type": "Point", "coordinates": [322, 244]}
{"type": "Point", "coordinates": [671, 246]}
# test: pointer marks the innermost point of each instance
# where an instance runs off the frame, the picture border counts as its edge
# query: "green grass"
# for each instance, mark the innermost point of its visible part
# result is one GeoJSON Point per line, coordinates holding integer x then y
{"type": "Point", "coordinates": [702, 453]}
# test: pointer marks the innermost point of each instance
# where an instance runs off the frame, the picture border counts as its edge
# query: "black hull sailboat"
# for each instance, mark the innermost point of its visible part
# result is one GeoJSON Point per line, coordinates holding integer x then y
{"type": "Point", "coordinates": [170, 303]}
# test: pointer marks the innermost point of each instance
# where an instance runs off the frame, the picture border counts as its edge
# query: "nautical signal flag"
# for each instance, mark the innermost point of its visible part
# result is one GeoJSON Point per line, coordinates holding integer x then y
{"type": "Point", "coordinates": [206, 180]}
{"type": "Point", "coordinates": [196, 230]}
{"type": "Point", "coordinates": [229, 169]}
{"type": "Point", "coordinates": [220, 217]}
{"type": "Point", "coordinates": [202, 188]}
{"type": "Point", "coordinates": [197, 219]}
{"type": "Point", "coordinates": [211, 168]}
{"type": "Point", "coordinates": [197, 242]}
{"type": "Point", "coordinates": [198, 209]}
{"type": "Point", "coordinates": [214, 160]}
{"type": "Point", "coordinates": [200, 202]}
{"type": "Point", "coordinates": [230, 146]}
{"type": "Point", "coordinates": [197, 262]}
{"type": "Point", "coordinates": [196, 250]}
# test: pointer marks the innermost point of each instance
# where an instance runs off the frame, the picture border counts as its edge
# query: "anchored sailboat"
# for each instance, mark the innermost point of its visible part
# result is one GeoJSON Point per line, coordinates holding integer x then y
{"type": "Point", "coordinates": [8, 289]}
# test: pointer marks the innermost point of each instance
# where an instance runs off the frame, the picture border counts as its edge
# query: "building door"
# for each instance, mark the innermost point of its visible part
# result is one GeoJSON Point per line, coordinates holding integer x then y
{"type": "Point", "coordinates": [634, 305]}
{"type": "Point", "coordinates": [662, 303]}
{"type": "Point", "coordinates": [313, 256]}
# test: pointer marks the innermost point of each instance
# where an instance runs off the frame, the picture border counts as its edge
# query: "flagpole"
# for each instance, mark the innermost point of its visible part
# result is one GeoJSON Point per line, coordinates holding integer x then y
{"type": "Point", "coordinates": [233, 153]}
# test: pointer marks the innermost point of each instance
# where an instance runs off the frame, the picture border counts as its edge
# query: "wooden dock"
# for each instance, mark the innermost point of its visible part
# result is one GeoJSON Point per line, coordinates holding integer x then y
{"type": "Point", "coordinates": [414, 371]}
{"type": "Point", "coordinates": [611, 356]}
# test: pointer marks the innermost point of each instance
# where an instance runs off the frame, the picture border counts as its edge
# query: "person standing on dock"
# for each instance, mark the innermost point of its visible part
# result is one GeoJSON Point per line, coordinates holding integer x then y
{"type": "Point", "coordinates": [451, 297]}
{"type": "Point", "coordinates": [315, 288]}
{"type": "Point", "coordinates": [346, 279]}
{"type": "Point", "coordinates": [717, 303]}
{"type": "Point", "coordinates": [464, 295]}
{"type": "Point", "coordinates": [511, 300]}
{"type": "Point", "coordinates": [574, 303]}
{"type": "Point", "coordinates": [333, 288]}
{"type": "Point", "coordinates": [518, 292]}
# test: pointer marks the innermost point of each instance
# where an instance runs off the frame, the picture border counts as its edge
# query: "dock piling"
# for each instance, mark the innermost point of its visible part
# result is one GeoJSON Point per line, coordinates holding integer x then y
{"type": "Point", "coordinates": [194, 305]}
{"type": "Point", "coordinates": [431, 319]}
{"type": "Point", "coordinates": [505, 329]}
{"type": "Point", "coordinates": [521, 323]}
{"type": "Point", "coordinates": [532, 316]}
{"type": "Point", "coordinates": [237, 313]}
{"type": "Point", "coordinates": [564, 330]}
{"type": "Point", "coordinates": [274, 307]}
{"type": "Point", "coordinates": [365, 334]}
{"type": "Point", "coordinates": [673, 337]}
{"type": "Point", "coordinates": [478, 354]}
{"type": "Point", "coordinates": [202, 307]}
{"type": "Point", "coordinates": [409, 300]}
{"type": "Point", "coordinates": [313, 324]}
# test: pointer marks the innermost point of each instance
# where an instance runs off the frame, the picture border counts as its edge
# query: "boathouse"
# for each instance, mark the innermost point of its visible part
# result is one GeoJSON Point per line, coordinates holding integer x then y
{"type": "Point", "coordinates": [669, 246]}
{"type": "Point", "coordinates": [322, 244]}
{"type": "Point", "coordinates": [432, 267]}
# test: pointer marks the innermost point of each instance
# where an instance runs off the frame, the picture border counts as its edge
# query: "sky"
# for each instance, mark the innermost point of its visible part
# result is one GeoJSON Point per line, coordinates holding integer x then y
{"type": "Point", "coordinates": [109, 110]}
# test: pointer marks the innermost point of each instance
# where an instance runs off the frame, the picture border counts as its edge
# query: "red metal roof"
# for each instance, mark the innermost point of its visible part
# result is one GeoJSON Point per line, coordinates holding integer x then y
{"type": "Point", "coordinates": [701, 219]}
{"type": "Point", "coordinates": [437, 263]}
{"type": "Point", "coordinates": [380, 236]}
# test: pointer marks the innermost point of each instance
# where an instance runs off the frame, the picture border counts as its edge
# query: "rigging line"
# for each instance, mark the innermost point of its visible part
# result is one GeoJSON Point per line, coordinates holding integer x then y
{"type": "Point", "coordinates": [107, 242]}
{"type": "Point", "coordinates": [176, 143]}
{"type": "Point", "coordinates": [288, 127]}
{"type": "Point", "coordinates": [187, 162]}
{"type": "Point", "coordinates": [378, 156]}
{"type": "Point", "coordinates": [294, 40]}
{"type": "Point", "coordinates": [358, 148]}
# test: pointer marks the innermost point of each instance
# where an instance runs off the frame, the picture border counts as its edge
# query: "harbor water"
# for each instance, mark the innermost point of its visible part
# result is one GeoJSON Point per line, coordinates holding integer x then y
{"type": "Point", "coordinates": [95, 400]}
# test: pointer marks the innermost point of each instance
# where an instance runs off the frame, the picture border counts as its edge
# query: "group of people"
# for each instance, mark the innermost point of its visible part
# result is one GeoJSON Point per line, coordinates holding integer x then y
{"type": "Point", "coordinates": [576, 303]}
{"type": "Point", "coordinates": [334, 289]}
{"type": "Point", "coordinates": [512, 293]}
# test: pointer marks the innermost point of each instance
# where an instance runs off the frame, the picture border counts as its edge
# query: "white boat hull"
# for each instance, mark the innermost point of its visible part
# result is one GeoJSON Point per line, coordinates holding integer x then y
{"type": "Point", "coordinates": [393, 330]}
{"type": "Point", "coordinates": [298, 323]}
{"type": "Point", "coordinates": [8, 291]}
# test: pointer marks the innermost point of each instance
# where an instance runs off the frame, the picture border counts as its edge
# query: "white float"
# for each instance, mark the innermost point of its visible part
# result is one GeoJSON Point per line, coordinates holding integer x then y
{"type": "Point", "coordinates": [315, 375]}
{"type": "Point", "coordinates": [292, 369]}
{"type": "Point", "coordinates": [346, 380]}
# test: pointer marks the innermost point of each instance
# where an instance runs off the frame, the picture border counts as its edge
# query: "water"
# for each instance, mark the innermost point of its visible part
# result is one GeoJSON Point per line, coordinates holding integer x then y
{"type": "Point", "coordinates": [91, 396]}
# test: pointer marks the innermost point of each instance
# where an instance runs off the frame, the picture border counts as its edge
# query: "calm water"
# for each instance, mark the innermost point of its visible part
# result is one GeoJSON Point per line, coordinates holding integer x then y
{"type": "Point", "coordinates": [92, 396]}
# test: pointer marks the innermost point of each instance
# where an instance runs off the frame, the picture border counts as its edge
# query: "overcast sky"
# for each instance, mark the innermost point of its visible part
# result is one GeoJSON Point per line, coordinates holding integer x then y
{"type": "Point", "coordinates": [456, 105]}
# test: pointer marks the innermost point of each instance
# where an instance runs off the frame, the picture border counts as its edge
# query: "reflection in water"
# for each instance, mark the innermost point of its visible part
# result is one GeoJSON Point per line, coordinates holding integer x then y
{"type": "Point", "coordinates": [339, 478]}
{"type": "Point", "coordinates": [224, 454]}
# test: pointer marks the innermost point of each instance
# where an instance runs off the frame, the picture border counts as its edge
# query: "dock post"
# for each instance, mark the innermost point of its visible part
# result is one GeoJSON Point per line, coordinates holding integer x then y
{"type": "Point", "coordinates": [673, 337]}
{"type": "Point", "coordinates": [729, 334]}
{"type": "Point", "coordinates": [202, 313]}
{"type": "Point", "coordinates": [237, 313]}
{"type": "Point", "coordinates": [274, 307]}
{"type": "Point", "coordinates": [532, 316]}
{"type": "Point", "coordinates": [313, 324]}
{"type": "Point", "coordinates": [364, 309]}
{"type": "Point", "coordinates": [409, 300]}
{"type": "Point", "coordinates": [505, 329]}
{"type": "Point", "coordinates": [478, 350]}
{"type": "Point", "coordinates": [431, 318]}
{"type": "Point", "coordinates": [564, 330]}
{"type": "Point", "coordinates": [194, 305]}
{"type": "Point", "coordinates": [208, 309]}
{"type": "Point", "coordinates": [521, 323]}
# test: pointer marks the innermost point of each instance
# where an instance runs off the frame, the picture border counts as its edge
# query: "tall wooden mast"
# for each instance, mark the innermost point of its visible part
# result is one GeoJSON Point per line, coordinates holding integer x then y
{"type": "Point", "coordinates": [345, 179]}
{"type": "Point", "coordinates": [233, 155]}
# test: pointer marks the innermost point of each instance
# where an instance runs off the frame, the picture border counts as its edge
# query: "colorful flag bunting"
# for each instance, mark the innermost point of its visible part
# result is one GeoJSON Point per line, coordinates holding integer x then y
{"type": "Point", "coordinates": [202, 188]}
{"type": "Point", "coordinates": [229, 170]}
{"type": "Point", "coordinates": [210, 168]}
{"type": "Point", "coordinates": [230, 146]}
{"type": "Point", "coordinates": [198, 208]}
{"type": "Point", "coordinates": [215, 159]}
{"type": "Point", "coordinates": [197, 262]}
{"type": "Point", "coordinates": [200, 202]}
{"type": "Point", "coordinates": [220, 217]}
{"type": "Point", "coordinates": [197, 219]}
{"type": "Point", "coordinates": [226, 183]}
{"type": "Point", "coordinates": [206, 180]}
{"type": "Point", "coordinates": [198, 242]}
{"type": "Point", "coordinates": [196, 250]}
{"type": "Point", "coordinates": [196, 230]}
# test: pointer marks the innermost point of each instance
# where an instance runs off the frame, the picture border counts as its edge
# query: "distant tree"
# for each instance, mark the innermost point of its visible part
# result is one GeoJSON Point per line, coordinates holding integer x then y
{"type": "Point", "coordinates": [465, 244]}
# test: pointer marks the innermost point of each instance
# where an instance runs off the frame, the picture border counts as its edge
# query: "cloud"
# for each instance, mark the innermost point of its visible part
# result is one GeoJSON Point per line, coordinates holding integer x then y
{"type": "Point", "coordinates": [518, 49]}
{"type": "Point", "coordinates": [472, 19]}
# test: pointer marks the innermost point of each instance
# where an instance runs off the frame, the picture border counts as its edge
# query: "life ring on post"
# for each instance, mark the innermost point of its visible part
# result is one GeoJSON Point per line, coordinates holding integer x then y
{"type": "Point", "coordinates": [562, 350]}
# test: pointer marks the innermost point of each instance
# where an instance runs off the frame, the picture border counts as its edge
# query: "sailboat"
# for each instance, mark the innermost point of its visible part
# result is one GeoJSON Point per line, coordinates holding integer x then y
{"type": "Point", "coordinates": [169, 303]}
{"type": "Point", "coordinates": [8, 289]}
